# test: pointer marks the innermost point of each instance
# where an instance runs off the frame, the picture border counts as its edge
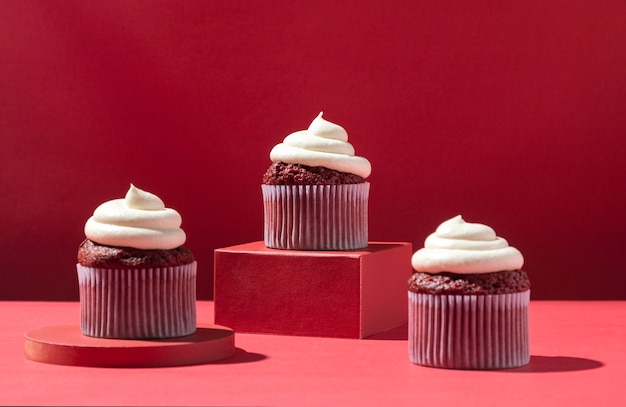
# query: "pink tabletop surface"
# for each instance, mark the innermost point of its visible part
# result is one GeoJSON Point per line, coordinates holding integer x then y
{"type": "Point", "coordinates": [578, 357]}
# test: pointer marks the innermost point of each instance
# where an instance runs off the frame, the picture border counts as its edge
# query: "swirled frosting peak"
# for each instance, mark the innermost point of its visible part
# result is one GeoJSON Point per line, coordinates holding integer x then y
{"type": "Point", "coordinates": [323, 144]}
{"type": "Point", "coordinates": [465, 248]}
{"type": "Point", "coordinates": [140, 220]}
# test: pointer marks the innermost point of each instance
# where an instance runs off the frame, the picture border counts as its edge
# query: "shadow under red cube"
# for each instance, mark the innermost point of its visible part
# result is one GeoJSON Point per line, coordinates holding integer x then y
{"type": "Point", "coordinates": [343, 294]}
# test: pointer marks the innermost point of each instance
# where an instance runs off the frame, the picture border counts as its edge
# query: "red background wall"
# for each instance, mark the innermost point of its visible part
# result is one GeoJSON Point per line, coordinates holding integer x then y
{"type": "Point", "coordinates": [509, 113]}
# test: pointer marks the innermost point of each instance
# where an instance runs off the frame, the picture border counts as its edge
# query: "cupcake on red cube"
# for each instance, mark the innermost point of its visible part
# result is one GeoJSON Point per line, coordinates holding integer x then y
{"type": "Point", "coordinates": [315, 195]}
{"type": "Point", "coordinates": [468, 300]}
{"type": "Point", "coordinates": [137, 280]}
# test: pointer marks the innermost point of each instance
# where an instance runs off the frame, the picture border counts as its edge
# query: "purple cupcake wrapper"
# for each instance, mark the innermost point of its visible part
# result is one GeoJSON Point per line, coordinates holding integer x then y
{"type": "Point", "coordinates": [469, 331]}
{"type": "Point", "coordinates": [316, 217]}
{"type": "Point", "coordinates": [138, 303]}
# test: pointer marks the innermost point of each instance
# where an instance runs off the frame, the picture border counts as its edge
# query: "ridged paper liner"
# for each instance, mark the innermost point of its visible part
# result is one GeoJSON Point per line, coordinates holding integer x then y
{"type": "Point", "coordinates": [316, 217]}
{"type": "Point", "coordinates": [469, 331]}
{"type": "Point", "coordinates": [138, 303]}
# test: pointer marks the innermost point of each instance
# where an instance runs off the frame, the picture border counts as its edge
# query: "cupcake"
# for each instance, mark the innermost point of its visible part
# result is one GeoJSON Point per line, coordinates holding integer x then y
{"type": "Point", "coordinates": [314, 194]}
{"type": "Point", "coordinates": [468, 300]}
{"type": "Point", "coordinates": [136, 278]}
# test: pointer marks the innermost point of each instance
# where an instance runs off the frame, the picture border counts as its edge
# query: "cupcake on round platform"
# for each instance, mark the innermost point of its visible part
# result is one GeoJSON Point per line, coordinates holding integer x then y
{"type": "Point", "coordinates": [468, 300]}
{"type": "Point", "coordinates": [315, 195]}
{"type": "Point", "coordinates": [137, 280]}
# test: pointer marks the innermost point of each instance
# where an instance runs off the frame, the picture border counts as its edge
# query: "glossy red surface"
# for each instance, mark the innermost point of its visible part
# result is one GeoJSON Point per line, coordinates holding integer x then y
{"type": "Point", "coordinates": [578, 357]}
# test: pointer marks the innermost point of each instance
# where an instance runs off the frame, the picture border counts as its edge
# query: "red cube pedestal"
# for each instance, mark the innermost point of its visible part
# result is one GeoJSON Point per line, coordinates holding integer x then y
{"type": "Point", "coordinates": [343, 294]}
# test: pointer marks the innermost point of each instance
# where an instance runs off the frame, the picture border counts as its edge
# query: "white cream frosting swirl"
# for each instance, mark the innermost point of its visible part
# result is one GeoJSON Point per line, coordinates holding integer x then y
{"type": "Point", "coordinates": [463, 248]}
{"type": "Point", "coordinates": [323, 144]}
{"type": "Point", "coordinates": [140, 220]}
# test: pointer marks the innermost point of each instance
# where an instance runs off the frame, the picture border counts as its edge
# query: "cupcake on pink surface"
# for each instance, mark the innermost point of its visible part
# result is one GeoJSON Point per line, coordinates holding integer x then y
{"type": "Point", "coordinates": [315, 195]}
{"type": "Point", "coordinates": [468, 300]}
{"type": "Point", "coordinates": [137, 280]}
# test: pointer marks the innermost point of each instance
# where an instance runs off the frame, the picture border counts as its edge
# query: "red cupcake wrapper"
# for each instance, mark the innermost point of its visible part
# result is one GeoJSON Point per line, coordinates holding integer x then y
{"type": "Point", "coordinates": [469, 331]}
{"type": "Point", "coordinates": [316, 217]}
{"type": "Point", "coordinates": [138, 303]}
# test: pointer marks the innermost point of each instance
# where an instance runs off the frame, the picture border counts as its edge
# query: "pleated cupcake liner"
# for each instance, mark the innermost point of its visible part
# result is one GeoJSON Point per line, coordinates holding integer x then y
{"type": "Point", "coordinates": [316, 217]}
{"type": "Point", "coordinates": [469, 331]}
{"type": "Point", "coordinates": [138, 303]}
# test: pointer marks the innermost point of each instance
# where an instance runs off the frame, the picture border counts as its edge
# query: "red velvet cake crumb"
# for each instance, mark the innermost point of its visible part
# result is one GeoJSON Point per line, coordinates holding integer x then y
{"type": "Point", "coordinates": [92, 254]}
{"type": "Point", "coordinates": [280, 173]}
{"type": "Point", "coordinates": [500, 282]}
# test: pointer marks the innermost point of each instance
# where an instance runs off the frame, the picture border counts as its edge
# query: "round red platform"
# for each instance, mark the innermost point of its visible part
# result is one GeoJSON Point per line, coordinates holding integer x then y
{"type": "Point", "coordinates": [66, 345]}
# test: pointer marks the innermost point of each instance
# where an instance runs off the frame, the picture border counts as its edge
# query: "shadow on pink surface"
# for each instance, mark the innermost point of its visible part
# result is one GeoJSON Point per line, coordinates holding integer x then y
{"type": "Point", "coordinates": [551, 364]}
{"type": "Point", "coordinates": [240, 356]}
{"type": "Point", "coordinates": [399, 333]}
